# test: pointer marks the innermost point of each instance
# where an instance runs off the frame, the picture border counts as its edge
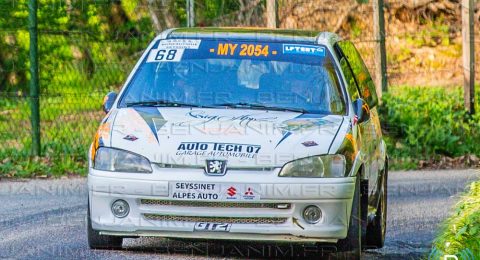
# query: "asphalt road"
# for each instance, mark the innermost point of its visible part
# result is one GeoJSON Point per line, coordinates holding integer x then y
{"type": "Point", "coordinates": [45, 219]}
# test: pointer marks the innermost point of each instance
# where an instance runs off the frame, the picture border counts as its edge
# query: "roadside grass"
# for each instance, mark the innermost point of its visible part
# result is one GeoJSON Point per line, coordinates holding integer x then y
{"type": "Point", "coordinates": [460, 233]}
{"type": "Point", "coordinates": [65, 137]}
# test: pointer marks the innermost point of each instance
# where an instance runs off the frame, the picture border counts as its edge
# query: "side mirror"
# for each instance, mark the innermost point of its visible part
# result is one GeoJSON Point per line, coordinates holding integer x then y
{"type": "Point", "coordinates": [362, 110]}
{"type": "Point", "coordinates": [108, 101]}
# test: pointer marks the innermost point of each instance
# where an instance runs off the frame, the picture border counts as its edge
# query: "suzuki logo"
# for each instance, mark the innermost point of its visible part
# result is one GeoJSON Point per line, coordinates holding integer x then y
{"type": "Point", "coordinates": [231, 191]}
{"type": "Point", "coordinates": [216, 167]}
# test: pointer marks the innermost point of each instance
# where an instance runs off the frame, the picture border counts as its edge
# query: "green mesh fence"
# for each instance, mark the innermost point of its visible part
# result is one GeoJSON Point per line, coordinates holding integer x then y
{"type": "Point", "coordinates": [83, 54]}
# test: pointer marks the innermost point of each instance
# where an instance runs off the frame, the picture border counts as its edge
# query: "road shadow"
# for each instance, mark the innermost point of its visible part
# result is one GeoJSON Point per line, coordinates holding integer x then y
{"type": "Point", "coordinates": [221, 249]}
{"type": "Point", "coordinates": [233, 249]}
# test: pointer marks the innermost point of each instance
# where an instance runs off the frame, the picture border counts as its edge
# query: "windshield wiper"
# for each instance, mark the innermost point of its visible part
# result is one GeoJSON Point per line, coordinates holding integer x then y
{"type": "Point", "coordinates": [162, 103]}
{"type": "Point", "coordinates": [262, 107]}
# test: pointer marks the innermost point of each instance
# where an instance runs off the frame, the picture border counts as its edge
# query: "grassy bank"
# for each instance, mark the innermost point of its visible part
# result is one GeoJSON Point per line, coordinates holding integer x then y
{"type": "Point", "coordinates": [460, 234]}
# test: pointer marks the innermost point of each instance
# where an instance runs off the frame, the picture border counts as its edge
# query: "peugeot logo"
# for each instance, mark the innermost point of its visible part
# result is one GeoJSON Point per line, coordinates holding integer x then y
{"type": "Point", "coordinates": [216, 167]}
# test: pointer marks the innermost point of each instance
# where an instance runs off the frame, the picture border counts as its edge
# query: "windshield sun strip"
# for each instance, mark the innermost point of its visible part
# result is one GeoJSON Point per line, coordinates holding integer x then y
{"type": "Point", "coordinates": [121, 103]}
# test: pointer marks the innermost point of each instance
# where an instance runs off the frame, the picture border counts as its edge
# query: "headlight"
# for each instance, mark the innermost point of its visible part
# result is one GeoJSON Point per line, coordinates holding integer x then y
{"type": "Point", "coordinates": [114, 160]}
{"type": "Point", "coordinates": [326, 166]}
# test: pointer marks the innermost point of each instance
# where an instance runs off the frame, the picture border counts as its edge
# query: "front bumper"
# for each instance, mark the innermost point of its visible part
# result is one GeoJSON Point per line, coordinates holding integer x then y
{"type": "Point", "coordinates": [254, 222]}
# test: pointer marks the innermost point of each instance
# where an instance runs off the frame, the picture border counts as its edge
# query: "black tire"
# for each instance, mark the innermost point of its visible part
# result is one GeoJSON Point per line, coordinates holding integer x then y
{"type": "Point", "coordinates": [352, 244]}
{"type": "Point", "coordinates": [97, 241]}
{"type": "Point", "coordinates": [377, 228]}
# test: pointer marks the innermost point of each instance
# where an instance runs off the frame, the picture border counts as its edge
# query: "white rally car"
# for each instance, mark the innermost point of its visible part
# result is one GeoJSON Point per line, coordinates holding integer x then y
{"type": "Point", "coordinates": [242, 134]}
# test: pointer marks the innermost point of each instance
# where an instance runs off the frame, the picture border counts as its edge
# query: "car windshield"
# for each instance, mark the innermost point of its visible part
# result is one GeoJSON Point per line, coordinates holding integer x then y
{"type": "Point", "coordinates": [237, 74]}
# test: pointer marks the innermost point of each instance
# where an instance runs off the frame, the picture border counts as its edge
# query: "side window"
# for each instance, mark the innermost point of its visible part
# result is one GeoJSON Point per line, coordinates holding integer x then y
{"type": "Point", "coordinates": [364, 80]}
{"type": "Point", "coordinates": [351, 84]}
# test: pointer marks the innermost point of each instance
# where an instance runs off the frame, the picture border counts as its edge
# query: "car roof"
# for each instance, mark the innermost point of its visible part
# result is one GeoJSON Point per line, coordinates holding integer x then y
{"type": "Point", "coordinates": [257, 34]}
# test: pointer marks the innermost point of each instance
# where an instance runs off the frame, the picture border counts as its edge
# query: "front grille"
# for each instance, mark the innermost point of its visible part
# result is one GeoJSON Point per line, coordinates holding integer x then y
{"type": "Point", "coordinates": [208, 204]}
{"type": "Point", "coordinates": [231, 220]}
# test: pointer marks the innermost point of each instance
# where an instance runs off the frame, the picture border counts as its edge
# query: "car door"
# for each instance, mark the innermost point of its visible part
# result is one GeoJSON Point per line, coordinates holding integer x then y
{"type": "Point", "coordinates": [370, 130]}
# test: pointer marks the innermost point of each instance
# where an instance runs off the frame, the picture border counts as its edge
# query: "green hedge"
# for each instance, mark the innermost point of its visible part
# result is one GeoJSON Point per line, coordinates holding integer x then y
{"type": "Point", "coordinates": [423, 123]}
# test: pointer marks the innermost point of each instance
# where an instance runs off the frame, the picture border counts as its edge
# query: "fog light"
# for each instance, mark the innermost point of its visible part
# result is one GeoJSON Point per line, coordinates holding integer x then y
{"type": "Point", "coordinates": [312, 214]}
{"type": "Point", "coordinates": [120, 208]}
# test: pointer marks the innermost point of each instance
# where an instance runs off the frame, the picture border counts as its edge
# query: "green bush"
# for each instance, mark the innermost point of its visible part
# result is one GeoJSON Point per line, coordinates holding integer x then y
{"type": "Point", "coordinates": [461, 232]}
{"type": "Point", "coordinates": [422, 123]}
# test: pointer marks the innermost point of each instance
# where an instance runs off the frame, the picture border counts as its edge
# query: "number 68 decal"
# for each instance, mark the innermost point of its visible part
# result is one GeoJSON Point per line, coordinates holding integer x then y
{"type": "Point", "coordinates": [165, 55]}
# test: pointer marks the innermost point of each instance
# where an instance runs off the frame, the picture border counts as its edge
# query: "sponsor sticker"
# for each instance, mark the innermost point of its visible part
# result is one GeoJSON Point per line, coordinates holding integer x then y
{"type": "Point", "coordinates": [223, 150]}
{"type": "Point", "coordinates": [304, 49]}
{"type": "Point", "coordinates": [243, 192]}
{"type": "Point", "coordinates": [195, 191]}
{"type": "Point", "coordinates": [178, 44]}
{"type": "Point", "coordinates": [232, 193]}
{"type": "Point", "coordinates": [214, 191]}
{"type": "Point", "coordinates": [204, 117]}
{"type": "Point", "coordinates": [215, 227]}
{"type": "Point", "coordinates": [250, 193]}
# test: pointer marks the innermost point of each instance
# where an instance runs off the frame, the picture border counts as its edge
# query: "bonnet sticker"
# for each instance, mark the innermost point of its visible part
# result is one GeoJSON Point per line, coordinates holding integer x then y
{"type": "Point", "coordinates": [218, 149]}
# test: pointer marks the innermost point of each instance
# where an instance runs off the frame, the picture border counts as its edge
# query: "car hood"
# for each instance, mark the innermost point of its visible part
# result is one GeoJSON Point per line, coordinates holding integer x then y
{"type": "Point", "coordinates": [245, 138]}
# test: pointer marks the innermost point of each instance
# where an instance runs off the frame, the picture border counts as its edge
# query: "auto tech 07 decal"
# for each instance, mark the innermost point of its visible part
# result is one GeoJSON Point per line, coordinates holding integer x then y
{"type": "Point", "coordinates": [218, 150]}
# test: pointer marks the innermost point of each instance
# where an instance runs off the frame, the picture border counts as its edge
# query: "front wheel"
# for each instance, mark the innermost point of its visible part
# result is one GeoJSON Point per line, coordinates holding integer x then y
{"type": "Point", "coordinates": [353, 242]}
{"type": "Point", "coordinates": [377, 228]}
{"type": "Point", "coordinates": [97, 241]}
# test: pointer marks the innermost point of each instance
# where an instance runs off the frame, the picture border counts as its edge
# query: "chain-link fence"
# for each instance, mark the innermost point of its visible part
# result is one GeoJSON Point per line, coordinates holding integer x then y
{"type": "Point", "coordinates": [88, 47]}
{"type": "Point", "coordinates": [80, 59]}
